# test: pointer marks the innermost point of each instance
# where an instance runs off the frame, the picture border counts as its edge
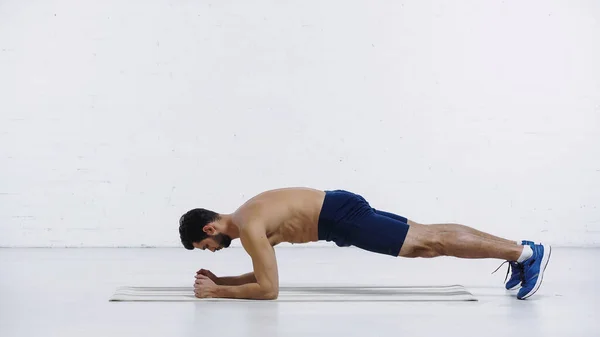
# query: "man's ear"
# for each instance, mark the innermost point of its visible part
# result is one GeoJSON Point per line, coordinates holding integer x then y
{"type": "Point", "coordinates": [210, 229]}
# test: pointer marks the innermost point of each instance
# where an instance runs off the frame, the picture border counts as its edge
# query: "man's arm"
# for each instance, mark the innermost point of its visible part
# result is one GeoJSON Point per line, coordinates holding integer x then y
{"type": "Point", "coordinates": [237, 280]}
{"type": "Point", "coordinates": [266, 287]}
{"type": "Point", "coordinates": [226, 280]}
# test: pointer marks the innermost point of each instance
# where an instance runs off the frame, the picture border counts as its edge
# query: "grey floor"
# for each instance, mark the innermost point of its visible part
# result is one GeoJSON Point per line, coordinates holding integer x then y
{"type": "Point", "coordinates": [64, 292]}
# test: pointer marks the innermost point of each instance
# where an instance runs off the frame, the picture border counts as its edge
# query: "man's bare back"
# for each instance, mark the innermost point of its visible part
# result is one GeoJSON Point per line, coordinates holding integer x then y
{"type": "Point", "coordinates": [301, 215]}
{"type": "Point", "coordinates": [287, 214]}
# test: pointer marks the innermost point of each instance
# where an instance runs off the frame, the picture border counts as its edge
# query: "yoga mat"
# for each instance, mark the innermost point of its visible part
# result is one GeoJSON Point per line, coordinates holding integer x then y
{"type": "Point", "coordinates": [308, 294]}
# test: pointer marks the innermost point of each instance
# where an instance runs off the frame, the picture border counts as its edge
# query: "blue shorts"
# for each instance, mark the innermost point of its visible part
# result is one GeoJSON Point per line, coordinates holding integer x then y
{"type": "Point", "coordinates": [348, 220]}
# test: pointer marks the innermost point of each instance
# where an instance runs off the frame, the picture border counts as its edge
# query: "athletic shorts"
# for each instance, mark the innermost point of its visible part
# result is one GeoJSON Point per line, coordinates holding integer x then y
{"type": "Point", "coordinates": [347, 219]}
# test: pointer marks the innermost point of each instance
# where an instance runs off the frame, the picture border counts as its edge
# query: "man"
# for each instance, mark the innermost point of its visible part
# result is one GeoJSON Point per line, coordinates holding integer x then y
{"type": "Point", "coordinates": [300, 215]}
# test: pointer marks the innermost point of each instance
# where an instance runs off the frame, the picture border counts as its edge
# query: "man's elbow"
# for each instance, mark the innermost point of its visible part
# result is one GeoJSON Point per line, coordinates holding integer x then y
{"type": "Point", "coordinates": [270, 294]}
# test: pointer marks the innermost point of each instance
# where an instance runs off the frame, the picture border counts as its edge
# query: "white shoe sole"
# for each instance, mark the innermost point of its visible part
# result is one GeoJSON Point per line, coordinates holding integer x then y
{"type": "Point", "coordinates": [543, 265]}
{"type": "Point", "coordinates": [515, 287]}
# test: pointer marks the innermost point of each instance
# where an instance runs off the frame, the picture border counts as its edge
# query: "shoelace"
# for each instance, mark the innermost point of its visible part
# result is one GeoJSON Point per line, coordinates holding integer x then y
{"type": "Point", "coordinates": [507, 270]}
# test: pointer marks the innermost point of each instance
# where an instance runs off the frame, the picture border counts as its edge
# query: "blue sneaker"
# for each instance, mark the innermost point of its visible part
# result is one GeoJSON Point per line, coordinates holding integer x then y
{"type": "Point", "coordinates": [533, 270]}
{"type": "Point", "coordinates": [516, 277]}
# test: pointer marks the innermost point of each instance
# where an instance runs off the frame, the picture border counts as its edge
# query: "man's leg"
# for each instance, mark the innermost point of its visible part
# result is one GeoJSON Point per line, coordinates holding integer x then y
{"type": "Point", "coordinates": [516, 269]}
{"type": "Point", "coordinates": [445, 226]}
{"type": "Point", "coordinates": [462, 228]}
{"type": "Point", "coordinates": [458, 241]}
{"type": "Point", "coordinates": [450, 229]}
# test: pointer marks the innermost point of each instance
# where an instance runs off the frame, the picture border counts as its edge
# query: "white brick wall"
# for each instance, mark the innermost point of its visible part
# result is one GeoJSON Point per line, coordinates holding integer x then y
{"type": "Point", "coordinates": [117, 117]}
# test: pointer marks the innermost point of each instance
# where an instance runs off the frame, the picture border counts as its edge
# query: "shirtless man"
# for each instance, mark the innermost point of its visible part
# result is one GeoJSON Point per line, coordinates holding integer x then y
{"type": "Point", "coordinates": [300, 215]}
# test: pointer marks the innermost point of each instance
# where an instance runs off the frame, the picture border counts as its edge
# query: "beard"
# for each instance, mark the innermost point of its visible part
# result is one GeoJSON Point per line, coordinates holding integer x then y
{"type": "Point", "coordinates": [223, 240]}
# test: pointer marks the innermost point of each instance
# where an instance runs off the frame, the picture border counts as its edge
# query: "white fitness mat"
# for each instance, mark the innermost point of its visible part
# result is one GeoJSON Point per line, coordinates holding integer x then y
{"type": "Point", "coordinates": [308, 294]}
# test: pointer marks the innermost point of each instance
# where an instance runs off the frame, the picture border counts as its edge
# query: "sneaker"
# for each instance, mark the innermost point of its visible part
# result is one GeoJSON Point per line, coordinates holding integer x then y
{"type": "Point", "coordinates": [516, 277]}
{"type": "Point", "coordinates": [533, 270]}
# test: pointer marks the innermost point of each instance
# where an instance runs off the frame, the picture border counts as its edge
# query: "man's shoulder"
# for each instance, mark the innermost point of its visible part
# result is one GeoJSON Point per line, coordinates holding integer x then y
{"type": "Point", "coordinates": [250, 213]}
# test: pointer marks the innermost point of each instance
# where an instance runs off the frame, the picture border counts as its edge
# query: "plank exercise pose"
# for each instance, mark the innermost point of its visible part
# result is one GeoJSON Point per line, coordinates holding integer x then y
{"type": "Point", "coordinates": [301, 215]}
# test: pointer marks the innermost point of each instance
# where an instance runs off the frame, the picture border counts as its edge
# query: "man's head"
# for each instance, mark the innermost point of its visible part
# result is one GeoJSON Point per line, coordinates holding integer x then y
{"type": "Point", "coordinates": [198, 229]}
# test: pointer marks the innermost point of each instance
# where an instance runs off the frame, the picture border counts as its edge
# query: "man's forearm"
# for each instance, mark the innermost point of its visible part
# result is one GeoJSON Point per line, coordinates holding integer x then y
{"type": "Point", "coordinates": [237, 280]}
{"type": "Point", "coordinates": [246, 291]}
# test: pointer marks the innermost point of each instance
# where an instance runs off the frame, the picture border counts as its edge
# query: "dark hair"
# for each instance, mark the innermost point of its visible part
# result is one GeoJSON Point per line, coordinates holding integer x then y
{"type": "Point", "coordinates": [192, 223]}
